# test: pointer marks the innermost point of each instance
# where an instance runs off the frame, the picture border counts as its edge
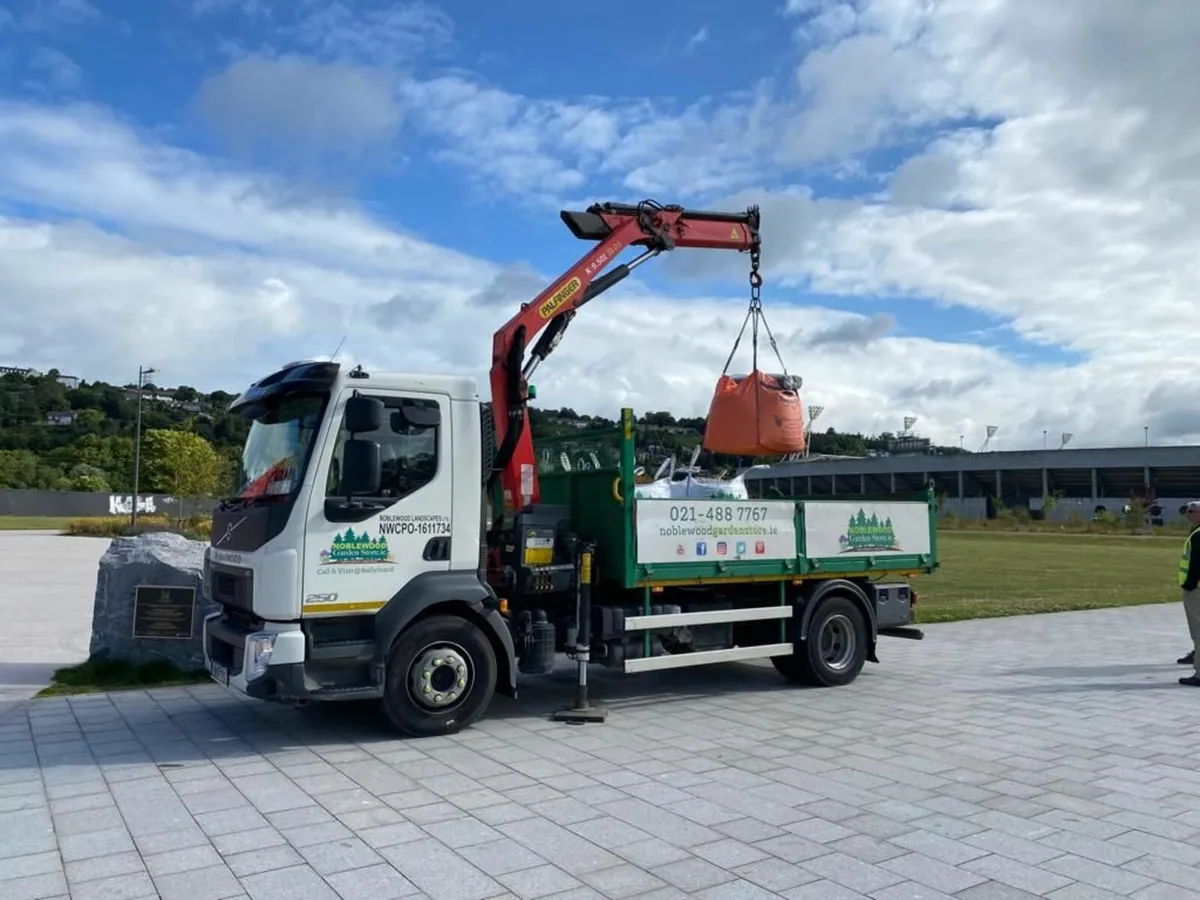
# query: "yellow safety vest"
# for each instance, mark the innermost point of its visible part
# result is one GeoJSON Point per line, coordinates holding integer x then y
{"type": "Point", "coordinates": [1185, 563]}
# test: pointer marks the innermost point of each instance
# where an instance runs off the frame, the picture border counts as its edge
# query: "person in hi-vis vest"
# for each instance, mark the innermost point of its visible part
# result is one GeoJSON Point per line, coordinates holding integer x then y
{"type": "Point", "coordinates": [1189, 584]}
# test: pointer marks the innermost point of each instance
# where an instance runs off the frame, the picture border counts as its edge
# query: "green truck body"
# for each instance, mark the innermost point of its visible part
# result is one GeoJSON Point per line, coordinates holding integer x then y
{"type": "Point", "coordinates": [874, 537]}
{"type": "Point", "coordinates": [755, 569]}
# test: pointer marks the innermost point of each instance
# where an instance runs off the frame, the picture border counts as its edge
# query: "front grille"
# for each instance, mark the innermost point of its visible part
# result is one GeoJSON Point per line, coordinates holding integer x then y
{"type": "Point", "coordinates": [232, 586]}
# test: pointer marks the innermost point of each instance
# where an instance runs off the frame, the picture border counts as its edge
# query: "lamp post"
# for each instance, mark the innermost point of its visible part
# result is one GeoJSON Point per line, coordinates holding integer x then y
{"type": "Point", "coordinates": [813, 413]}
{"type": "Point", "coordinates": [1146, 430]}
{"type": "Point", "coordinates": [144, 372]}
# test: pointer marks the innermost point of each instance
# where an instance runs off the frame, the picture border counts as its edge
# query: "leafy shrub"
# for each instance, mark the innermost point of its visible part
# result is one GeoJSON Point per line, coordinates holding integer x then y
{"type": "Point", "coordinates": [1076, 520]}
{"type": "Point", "coordinates": [196, 527]}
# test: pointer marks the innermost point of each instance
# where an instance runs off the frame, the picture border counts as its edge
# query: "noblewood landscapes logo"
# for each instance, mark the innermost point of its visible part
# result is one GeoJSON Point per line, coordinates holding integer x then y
{"type": "Point", "coordinates": [865, 532]}
{"type": "Point", "coordinates": [350, 549]}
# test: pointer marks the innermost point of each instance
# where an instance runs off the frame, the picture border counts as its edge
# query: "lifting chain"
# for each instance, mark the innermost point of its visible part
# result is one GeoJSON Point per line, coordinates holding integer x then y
{"type": "Point", "coordinates": [754, 315]}
{"type": "Point", "coordinates": [755, 302]}
{"type": "Point", "coordinates": [755, 278]}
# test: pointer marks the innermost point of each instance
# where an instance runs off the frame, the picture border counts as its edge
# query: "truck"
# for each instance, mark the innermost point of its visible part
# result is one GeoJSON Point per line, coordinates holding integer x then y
{"type": "Point", "coordinates": [395, 537]}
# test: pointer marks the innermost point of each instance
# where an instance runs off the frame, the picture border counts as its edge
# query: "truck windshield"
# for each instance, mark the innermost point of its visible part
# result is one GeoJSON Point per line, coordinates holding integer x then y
{"type": "Point", "coordinates": [277, 447]}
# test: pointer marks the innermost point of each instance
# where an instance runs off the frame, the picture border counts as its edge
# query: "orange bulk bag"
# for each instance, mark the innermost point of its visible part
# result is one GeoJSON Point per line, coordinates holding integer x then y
{"type": "Point", "coordinates": [755, 415]}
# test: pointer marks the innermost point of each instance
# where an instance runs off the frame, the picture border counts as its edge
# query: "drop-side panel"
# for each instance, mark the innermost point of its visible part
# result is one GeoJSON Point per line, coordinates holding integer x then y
{"type": "Point", "coordinates": [715, 539]}
{"type": "Point", "coordinates": [850, 536]}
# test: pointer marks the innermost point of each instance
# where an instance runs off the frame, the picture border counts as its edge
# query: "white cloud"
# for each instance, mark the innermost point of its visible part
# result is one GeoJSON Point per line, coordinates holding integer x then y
{"type": "Point", "coordinates": [533, 150]}
{"type": "Point", "coordinates": [251, 8]}
{"type": "Point", "coordinates": [80, 161]}
{"type": "Point", "coordinates": [298, 110]}
{"type": "Point", "coordinates": [700, 36]}
{"type": "Point", "coordinates": [52, 15]}
{"type": "Point", "coordinates": [375, 32]}
{"type": "Point", "coordinates": [52, 71]}
{"type": "Point", "coordinates": [542, 151]}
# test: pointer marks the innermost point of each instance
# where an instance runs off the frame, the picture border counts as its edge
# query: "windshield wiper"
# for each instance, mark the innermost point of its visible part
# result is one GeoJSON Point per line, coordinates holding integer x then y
{"type": "Point", "coordinates": [235, 503]}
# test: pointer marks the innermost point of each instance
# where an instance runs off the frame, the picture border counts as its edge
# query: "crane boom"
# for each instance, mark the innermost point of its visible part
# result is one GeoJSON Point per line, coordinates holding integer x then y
{"type": "Point", "coordinates": [613, 227]}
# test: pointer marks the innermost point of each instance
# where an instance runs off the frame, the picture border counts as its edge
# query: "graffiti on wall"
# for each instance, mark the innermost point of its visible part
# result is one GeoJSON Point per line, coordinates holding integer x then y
{"type": "Point", "coordinates": [122, 504]}
{"type": "Point", "coordinates": [69, 504]}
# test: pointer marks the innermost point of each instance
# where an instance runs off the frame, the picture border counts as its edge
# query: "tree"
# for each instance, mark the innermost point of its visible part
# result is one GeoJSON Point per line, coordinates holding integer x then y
{"type": "Point", "coordinates": [180, 463]}
{"type": "Point", "coordinates": [22, 470]}
{"type": "Point", "coordinates": [662, 419]}
{"type": "Point", "coordinates": [89, 420]}
{"type": "Point", "coordinates": [111, 455]}
{"type": "Point", "coordinates": [87, 478]}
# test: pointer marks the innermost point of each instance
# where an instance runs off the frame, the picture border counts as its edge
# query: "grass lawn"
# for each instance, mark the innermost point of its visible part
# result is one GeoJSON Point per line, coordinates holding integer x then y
{"type": "Point", "coordinates": [994, 574]}
{"type": "Point", "coordinates": [34, 523]}
{"type": "Point", "coordinates": [115, 675]}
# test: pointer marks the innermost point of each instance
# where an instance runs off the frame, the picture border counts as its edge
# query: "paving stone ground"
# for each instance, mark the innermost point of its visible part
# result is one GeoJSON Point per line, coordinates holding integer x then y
{"type": "Point", "coordinates": [47, 583]}
{"type": "Point", "coordinates": [1050, 757]}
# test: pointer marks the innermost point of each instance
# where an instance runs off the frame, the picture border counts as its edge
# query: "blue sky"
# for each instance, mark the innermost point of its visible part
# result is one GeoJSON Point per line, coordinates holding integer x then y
{"type": "Point", "coordinates": [320, 167]}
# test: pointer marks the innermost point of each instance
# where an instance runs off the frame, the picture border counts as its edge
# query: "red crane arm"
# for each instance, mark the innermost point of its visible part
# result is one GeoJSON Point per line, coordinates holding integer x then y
{"type": "Point", "coordinates": [614, 227]}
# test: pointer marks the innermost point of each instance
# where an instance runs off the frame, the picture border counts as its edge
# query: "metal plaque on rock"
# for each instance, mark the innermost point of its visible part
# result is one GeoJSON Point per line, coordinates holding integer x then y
{"type": "Point", "coordinates": [163, 612]}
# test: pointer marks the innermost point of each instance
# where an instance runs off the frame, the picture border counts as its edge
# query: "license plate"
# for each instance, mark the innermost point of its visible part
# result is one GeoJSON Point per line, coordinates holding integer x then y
{"type": "Point", "coordinates": [220, 674]}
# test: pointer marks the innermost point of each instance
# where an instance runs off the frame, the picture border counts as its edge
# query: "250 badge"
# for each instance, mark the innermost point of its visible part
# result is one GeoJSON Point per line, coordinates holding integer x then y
{"type": "Point", "coordinates": [321, 598]}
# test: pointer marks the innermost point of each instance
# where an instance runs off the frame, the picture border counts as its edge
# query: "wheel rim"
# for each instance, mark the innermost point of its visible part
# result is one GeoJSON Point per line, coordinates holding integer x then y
{"type": "Point", "coordinates": [839, 642]}
{"type": "Point", "coordinates": [440, 677]}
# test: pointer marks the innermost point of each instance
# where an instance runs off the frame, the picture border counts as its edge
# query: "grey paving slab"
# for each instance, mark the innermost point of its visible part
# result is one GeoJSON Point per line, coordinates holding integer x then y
{"type": "Point", "coordinates": [1044, 757]}
{"type": "Point", "coordinates": [47, 582]}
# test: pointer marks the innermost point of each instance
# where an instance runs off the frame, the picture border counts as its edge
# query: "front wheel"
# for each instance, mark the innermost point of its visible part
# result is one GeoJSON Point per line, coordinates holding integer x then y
{"type": "Point", "coordinates": [836, 647]}
{"type": "Point", "coordinates": [441, 675]}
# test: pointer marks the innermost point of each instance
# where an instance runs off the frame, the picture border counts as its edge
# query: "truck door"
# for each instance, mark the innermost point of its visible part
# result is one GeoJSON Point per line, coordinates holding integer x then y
{"type": "Point", "coordinates": [358, 555]}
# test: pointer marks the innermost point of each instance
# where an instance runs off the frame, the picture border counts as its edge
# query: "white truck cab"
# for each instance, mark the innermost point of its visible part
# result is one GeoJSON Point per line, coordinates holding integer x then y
{"type": "Point", "coordinates": [314, 581]}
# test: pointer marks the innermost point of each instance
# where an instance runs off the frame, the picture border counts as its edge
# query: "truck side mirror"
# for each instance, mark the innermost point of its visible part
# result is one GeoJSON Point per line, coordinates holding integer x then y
{"type": "Point", "coordinates": [362, 468]}
{"type": "Point", "coordinates": [416, 417]}
{"type": "Point", "coordinates": [363, 414]}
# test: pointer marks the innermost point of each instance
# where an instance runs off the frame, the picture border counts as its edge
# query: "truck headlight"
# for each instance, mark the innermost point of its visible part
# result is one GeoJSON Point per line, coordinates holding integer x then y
{"type": "Point", "coordinates": [259, 648]}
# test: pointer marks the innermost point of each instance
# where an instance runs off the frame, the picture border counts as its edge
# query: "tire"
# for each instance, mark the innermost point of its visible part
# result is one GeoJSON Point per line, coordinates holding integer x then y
{"type": "Point", "coordinates": [438, 646]}
{"type": "Point", "coordinates": [836, 647]}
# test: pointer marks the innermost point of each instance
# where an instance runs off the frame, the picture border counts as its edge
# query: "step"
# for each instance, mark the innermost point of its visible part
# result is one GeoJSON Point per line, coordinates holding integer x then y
{"type": "Point", "coordinates": [706, 657]}
{"type": "Point", "coordinates": [343, 652]}
{"type": "Point", "coordinates": [708, 617]}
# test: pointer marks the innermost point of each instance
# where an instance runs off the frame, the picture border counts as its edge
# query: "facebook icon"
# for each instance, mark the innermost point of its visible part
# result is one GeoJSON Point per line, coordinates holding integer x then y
{"type": "Point", "coordinates": [701, 548]}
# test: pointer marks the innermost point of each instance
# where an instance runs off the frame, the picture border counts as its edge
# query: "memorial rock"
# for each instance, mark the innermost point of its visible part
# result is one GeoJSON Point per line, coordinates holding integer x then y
{"type": "Point", "coordinates": [150, 601]}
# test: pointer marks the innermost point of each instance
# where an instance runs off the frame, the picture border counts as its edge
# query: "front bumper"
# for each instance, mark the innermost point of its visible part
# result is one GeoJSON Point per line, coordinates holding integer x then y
{"type": "Point", "coordinates": [238, 657]}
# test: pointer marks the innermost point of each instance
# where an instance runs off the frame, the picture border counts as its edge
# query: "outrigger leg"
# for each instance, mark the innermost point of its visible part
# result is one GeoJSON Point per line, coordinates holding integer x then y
{"type": "Point", "coordinates": [582, 712]}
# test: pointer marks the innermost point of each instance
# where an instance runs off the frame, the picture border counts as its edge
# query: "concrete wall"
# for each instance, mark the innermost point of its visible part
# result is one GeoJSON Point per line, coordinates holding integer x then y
{"type": "Point", "coordinates": [88, 503]}
{"type": "Point", "coordinates": [1065, 508]}
{"type": "Point", "coordinates": [1173, 457]}
{"type": "Point", "coordinates": [965, 508]}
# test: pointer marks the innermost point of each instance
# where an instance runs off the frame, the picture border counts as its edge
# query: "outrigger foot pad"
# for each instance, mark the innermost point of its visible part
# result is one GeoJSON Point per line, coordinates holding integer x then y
{"type": "Point", "coordinates": [581, 715]}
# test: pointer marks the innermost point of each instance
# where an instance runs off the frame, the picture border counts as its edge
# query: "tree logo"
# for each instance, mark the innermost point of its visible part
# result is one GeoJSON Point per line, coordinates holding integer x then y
{"type": "Point", "coordinates": [865, 533]}
{"type": "Point", "coordinates": [349, 548]}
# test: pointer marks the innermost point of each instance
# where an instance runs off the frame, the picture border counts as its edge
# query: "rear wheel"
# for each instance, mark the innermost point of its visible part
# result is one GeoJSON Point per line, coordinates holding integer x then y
{"type": "Point", "coordinates": [836, 647]}
{"type": "Point", "coordinates": [441, 676]}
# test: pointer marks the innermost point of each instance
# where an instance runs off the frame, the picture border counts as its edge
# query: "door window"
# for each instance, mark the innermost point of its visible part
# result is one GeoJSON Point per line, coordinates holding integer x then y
{"type": "Point", "coordinates": [409, 452]}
